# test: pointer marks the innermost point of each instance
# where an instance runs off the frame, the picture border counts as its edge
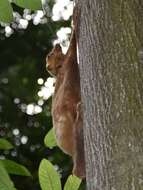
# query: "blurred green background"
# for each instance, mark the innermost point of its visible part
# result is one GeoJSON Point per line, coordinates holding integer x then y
{"type": "Point", "coordinates": [22, 75]}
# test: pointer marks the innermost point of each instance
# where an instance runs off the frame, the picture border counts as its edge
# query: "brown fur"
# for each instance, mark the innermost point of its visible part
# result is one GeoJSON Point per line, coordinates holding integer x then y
{"type": "Point", "coordinates": [66, 109]}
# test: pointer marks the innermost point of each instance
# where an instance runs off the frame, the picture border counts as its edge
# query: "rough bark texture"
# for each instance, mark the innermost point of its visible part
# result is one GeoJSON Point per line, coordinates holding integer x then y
{"type": "Point", "coordinates": [111, 68]}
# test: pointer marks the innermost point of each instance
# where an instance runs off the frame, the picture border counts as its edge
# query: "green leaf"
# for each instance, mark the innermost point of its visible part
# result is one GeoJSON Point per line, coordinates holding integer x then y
{"type": "Point", "coordinates": [5, 145]}
{"type": "Point", "coordinates": [50, 140]}
{"type": "Point", "coordinates": [15, 168]}
{"type": "Point", "coordinates": [48, 176]}
{"type": "Point", "coordinates": [6, 11]}
{"type": "Point", "coordinates": [5, 181]}
{"type": "Point", "coordinates": [72, 183]}
{"type": "Point", "coordinates": [29, 4]}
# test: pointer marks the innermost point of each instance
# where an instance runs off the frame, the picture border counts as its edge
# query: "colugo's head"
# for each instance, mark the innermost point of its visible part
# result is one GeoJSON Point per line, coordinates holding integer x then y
{"type": "Point", "coordinates": [54, 60]}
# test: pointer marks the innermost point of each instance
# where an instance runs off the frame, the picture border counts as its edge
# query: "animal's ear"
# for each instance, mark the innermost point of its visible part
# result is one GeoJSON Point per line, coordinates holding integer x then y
{"type": "Point", "coordinates": [58, 47]}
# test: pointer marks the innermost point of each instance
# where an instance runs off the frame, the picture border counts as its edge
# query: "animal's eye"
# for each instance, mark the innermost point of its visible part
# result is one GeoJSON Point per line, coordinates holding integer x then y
{"type": "Point", "coordinates": [52, 54]}
{"type": "Point", "coordinates": [58, 66]}
{"type": "Point", "coordinates": [49, 55]}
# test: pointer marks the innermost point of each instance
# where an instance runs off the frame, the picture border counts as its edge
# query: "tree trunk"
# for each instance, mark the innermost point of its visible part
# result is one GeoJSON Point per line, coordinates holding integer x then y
{"type": "Point", "coordinates": [111, 67]}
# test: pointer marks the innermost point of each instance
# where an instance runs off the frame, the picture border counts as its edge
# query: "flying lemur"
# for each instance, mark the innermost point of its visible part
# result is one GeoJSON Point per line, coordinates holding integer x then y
{"type": "Point", "coordinates": [66, 103]}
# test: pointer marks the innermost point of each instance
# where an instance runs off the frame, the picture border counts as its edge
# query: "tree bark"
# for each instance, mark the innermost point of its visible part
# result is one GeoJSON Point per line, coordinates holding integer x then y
{"type": "Point", "coordinates": [111, 69]}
